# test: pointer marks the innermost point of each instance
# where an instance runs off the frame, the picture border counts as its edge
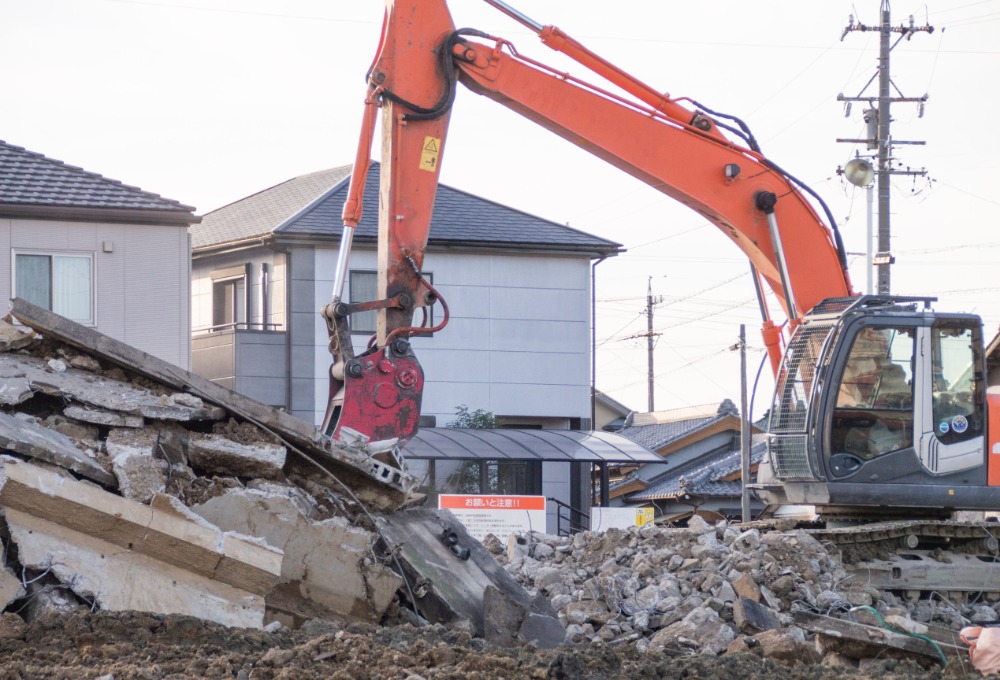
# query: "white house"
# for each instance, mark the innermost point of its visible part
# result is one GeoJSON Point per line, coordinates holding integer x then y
{"type": "Point", "coordinates": [518, 288]}
{"type": "Point", "coordinates": [96, 251]}
{"type": "Point", "coordinates": [519, 291]}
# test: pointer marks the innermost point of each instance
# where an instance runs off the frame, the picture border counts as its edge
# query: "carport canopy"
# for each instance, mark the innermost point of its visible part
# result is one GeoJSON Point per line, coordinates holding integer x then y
{"type": "Point", "coordinates": [562, 446]}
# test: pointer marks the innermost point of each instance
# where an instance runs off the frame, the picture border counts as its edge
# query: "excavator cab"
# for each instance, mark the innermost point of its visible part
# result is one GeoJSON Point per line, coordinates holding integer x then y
{"type": "Point", "coordinates": [880, 390]}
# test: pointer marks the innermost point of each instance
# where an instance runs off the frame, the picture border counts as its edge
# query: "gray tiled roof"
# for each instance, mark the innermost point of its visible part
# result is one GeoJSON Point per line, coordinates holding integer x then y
{"type": "Point", "coordinates": [655, 437]}
{"type": "Point", "coordinates": [704, 480]}
{"type": "Point", "coordinates": [266, 211]}
{"type": "Point", "coordinates": [311, 205]}
{"type": "Point", "coordinates": [31, 179]}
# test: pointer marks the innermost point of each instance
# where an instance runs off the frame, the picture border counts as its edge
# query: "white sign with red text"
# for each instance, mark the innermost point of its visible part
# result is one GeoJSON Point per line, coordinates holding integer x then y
{"type": "Point", "coordinates": [498, 515]}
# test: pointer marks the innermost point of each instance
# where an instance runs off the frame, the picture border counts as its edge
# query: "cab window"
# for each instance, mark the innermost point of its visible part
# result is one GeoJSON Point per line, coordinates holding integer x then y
{"type": "Point", "coordinates": [874, 408]}
{"type": "Point", "coordinates": [957, 381]}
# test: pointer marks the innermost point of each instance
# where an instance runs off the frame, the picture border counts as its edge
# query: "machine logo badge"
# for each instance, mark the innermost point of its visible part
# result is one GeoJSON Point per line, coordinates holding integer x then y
{"type": "Point", "coordinates": [943, 427]}
{"type": "Point", "coordinates": [960, 424]}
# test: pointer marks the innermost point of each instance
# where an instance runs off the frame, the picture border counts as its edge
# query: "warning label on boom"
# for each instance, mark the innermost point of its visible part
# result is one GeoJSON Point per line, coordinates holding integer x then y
{"type": "Point", "coordinates": [429, 154]}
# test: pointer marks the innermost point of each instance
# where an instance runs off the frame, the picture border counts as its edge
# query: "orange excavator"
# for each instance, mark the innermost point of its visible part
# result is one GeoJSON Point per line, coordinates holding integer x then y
{"type": "Point", "coordinates": [880, 401]}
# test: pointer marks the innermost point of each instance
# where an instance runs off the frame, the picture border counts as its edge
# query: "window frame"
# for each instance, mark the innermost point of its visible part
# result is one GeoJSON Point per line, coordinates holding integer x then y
{"type": "Point", "coordinates": [972, 415]}
{"type": "Point", "coordinates": [83, 254]}
{"type": "Point", "coordinates": [232, 276]}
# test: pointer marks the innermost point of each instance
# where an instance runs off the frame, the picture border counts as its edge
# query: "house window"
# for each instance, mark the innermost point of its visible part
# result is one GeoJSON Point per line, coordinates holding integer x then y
{"type": "Point", "coordinates": [61, 283]}
{"type": "Point", "coordinates": [229, 297]}
{"type": "Point", "coordinates": [364, 288]}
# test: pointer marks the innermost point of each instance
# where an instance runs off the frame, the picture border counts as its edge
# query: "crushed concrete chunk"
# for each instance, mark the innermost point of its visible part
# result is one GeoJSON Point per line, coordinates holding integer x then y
{"type": "Point", "coordinates": [702, 629]}
{"type": "Point", "coordinates": [14, 387]}
{"type": "Point", "coordinates": [56, 365]}
{"type": "Point", "coordinates": [323, 570]}
{"type": "Point", "coordinates": [133, 457]}
{"type": "Point", "coordinates": [220, 455]}
{"type": "Point", "coordinates": [84, 363]}
{"type": "Point", "coordinates": [34, 441]}
{"type": "Point", "coordinates": [11, 587]}
{"type": "Point", "coordinates": [12, 338]}
{"type": "Point", "coordinates": [380, 485]}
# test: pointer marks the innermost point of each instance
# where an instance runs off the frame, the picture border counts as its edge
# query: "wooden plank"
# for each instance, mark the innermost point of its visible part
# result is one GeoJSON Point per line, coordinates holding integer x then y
{"type": "Point", "coordinates": [384, 484]}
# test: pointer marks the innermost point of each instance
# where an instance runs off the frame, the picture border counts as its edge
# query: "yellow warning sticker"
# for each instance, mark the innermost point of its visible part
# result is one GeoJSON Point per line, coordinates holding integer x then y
{"type": "Point", "coordinates": [643, 516]}
{"type": "Point", "coordinates": [429, 154]}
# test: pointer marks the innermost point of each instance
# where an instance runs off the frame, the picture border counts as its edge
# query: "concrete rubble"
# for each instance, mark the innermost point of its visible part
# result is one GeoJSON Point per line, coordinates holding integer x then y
{"type": "Point", "coordinates": [720, 589]}
{"type": "Point", "coordinates": [129, 484]}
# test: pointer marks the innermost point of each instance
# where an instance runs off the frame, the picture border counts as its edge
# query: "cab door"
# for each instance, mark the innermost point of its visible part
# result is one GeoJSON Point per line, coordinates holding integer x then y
{"type": "Point", "coordinates": [951, 418]}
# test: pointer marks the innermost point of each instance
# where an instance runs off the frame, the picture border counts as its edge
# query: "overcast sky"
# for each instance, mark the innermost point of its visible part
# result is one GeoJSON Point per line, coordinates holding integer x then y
{"type": "Point", "coordinates": [207, 101]}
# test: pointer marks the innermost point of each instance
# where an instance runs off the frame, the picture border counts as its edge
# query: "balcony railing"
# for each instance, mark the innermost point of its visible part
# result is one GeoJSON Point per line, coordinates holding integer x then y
{"type": "Point", "coordinates": [239, 326]}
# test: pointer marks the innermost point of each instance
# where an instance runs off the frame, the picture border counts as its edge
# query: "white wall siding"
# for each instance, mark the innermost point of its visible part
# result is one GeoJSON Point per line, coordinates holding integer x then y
{"type": "Point", "coordinates": [142, 287]}
{"type": "Point", "coordinates": [555, 484]}
{"type": "Point", "coordinates": [518, 343]}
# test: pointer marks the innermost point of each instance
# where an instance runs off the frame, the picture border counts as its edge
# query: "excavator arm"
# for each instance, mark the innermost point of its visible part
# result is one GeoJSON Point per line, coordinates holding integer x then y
{"type": "Point", "coordinates": [651, 136]}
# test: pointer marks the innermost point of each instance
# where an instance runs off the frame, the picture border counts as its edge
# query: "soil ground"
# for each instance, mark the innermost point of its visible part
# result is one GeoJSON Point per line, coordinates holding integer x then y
{"type": "Point", "coordinates": [136, 645]}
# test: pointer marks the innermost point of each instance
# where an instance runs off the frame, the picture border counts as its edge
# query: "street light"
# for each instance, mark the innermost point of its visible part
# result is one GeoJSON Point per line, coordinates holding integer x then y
{"type": "Point", "coordinates": [860, 173]}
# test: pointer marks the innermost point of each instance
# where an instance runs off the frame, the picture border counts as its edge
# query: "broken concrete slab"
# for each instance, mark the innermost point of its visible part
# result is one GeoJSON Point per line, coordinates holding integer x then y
{"type": "Point", "coordinates": [121, 580]}
{"type": "Point", "coordinates": [14, 387]}
{"type": "Point", "coordinates": [102, 391]}
{"type": "Point", "coordinates": [859, 641]}
{"type": "Point", "coordinates": [218, 454]}
{"type": "Point", "coordinates": [324, 569]}
{"type": "Point", "coordinates": [920, 570]}
{"type": "Point", "coordinates": [382, 485]}
{"type": "Point", "coordinates": [449, 572]}
{"type": "Point", "coordinates": [28, 439]}
{"type": "Point", "coordinates": [126, 555]}
{"type": "Point", "coordinates": [102, 417]}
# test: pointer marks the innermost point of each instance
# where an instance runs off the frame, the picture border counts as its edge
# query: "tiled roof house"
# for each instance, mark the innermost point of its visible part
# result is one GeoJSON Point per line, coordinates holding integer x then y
{"type": "Point", "coordinates": [100, 252]}
{"type": "Point", "coordinates": [518, 288]}
{"type": "Point", "coordinates": [700, 472]}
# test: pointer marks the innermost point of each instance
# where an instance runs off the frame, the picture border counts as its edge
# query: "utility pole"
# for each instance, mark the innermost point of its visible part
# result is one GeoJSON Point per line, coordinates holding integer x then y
{"type": "Point", "coordinates": [878, 119]}
{"type": "Point", "coordinates": [745, 461]}
{"type": "Point", "coordinates": [650, 335]}
{"type": "Point", "coordinates": [650, 343]}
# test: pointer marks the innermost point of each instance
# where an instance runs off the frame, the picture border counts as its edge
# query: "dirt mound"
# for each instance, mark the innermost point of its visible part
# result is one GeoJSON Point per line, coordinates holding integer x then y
{"type": "Point", "coordinates": [135, 645]}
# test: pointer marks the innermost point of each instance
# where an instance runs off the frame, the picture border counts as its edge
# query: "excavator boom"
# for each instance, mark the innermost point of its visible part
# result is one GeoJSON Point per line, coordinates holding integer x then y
{"type": "Point", "coordinates": [680, 151]}
{"type": "Point", "coordinates": [880, 405]}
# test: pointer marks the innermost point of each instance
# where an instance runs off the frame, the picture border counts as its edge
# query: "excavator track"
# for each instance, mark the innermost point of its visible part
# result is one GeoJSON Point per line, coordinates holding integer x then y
{"type": "Point", "coordinates": [912, 558]}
